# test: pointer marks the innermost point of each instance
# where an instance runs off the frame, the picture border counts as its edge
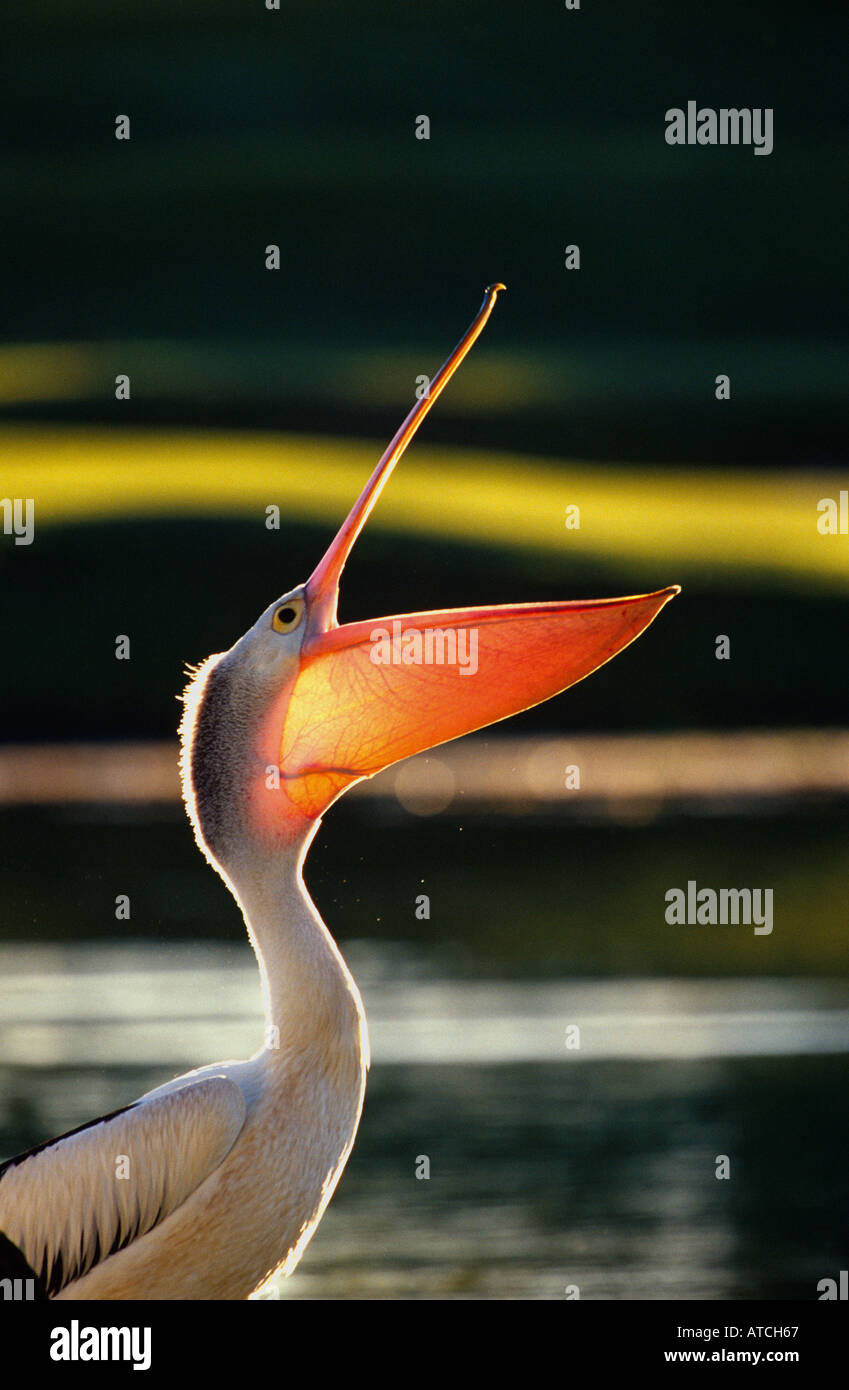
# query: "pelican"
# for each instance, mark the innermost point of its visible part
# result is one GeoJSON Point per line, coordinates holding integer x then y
{"type": "Point", "coordinates": [212, 1183]}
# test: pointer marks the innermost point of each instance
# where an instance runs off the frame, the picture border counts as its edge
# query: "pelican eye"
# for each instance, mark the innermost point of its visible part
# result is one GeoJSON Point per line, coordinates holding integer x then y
{"type": "Point", "coordinates": [288, 616]}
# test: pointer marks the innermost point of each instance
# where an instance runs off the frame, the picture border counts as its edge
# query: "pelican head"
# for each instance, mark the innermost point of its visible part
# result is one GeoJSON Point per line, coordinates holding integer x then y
{"type": "Point", "coordinates": [300, 708]}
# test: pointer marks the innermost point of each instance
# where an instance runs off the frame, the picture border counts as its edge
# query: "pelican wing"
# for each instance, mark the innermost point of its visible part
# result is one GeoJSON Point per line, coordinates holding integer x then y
{"type": "Point", "coordinates": [74, 1201]}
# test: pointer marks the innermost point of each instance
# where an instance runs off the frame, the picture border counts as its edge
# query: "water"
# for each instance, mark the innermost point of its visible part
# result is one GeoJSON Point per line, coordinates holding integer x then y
{"type": "Point", "coordinates": [544, 1176]}
{"type": "Point", "coordinates": [549, 1167]}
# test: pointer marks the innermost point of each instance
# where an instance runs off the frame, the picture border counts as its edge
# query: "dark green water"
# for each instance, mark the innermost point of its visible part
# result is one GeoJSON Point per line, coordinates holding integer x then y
{"type": "Point", "coordinates": [544, 1175]}
{"type": "Point", "coordinates": [508, 897]}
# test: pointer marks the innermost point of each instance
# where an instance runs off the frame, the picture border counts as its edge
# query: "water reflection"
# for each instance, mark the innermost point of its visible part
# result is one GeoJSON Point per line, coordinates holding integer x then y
{"type": "Point", "coordinates": [138, 1004]}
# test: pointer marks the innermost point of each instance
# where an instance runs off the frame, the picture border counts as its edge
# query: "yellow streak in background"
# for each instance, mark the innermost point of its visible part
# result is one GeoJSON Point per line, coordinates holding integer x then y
{"type": "Point", "coordinates": [681, 520]}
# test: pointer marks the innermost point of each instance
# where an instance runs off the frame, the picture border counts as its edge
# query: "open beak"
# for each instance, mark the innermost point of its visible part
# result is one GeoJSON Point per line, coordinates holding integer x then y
{"type": "Point", "coordinates": [371, 693]}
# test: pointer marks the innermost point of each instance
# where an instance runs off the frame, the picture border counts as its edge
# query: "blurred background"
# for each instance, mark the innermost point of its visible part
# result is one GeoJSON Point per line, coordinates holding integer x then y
{"type": "Point", "coordinates": [594, 388]}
